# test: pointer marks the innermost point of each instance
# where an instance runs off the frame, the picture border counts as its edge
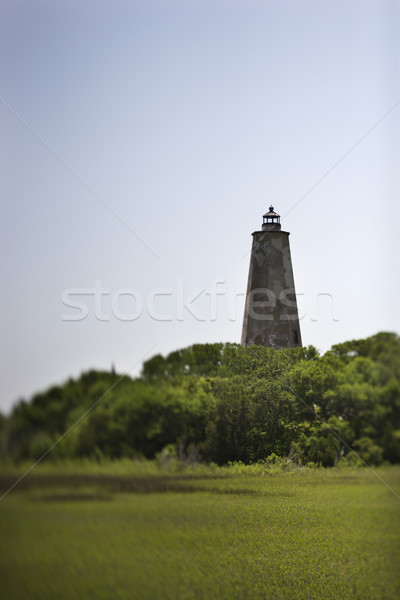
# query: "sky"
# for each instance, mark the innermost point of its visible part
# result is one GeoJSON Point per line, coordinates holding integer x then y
{"type": "Point", "coordinates": [141, 143]}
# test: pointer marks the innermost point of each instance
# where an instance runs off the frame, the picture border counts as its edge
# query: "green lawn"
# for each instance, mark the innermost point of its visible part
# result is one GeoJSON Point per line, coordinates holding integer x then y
{"type": "Point", "coordinates": [311, 534]}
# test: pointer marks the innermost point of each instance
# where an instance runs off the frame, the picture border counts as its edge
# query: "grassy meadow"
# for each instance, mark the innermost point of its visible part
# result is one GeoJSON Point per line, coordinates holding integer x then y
{"type": "Point", "coordinates": [118, 532]}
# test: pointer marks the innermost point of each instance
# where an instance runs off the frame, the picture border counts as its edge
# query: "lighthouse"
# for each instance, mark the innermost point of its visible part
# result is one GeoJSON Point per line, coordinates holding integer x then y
{"type": "Point", "coordinates": [270, 316]}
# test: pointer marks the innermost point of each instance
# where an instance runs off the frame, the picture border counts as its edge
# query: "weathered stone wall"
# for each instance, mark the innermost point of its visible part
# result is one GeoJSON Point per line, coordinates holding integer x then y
{"type": "Point", "coordinates": [270, 315]}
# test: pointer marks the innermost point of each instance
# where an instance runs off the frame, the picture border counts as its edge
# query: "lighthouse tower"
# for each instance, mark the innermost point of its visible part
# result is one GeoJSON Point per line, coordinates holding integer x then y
{"type": "Point", "coordinates": [270, 315]}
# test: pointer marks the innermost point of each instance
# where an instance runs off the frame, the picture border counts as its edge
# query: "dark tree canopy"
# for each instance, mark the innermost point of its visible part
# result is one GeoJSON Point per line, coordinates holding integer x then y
{"type": "Point", "coordinates": [225, 402]}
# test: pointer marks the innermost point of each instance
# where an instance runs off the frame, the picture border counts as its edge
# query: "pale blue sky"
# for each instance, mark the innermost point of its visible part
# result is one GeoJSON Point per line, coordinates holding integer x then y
{"type": "Point", "coordinates": [188, 119]}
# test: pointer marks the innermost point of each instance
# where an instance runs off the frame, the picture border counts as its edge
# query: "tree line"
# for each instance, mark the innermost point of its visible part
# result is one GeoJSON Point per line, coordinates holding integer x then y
{"type": "Point", "coordinates": [224, 402]}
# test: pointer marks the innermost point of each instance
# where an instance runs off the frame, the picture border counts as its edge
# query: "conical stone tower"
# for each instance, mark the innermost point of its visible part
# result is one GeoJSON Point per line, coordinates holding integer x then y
{"type": "Point", "coordinates": [270, 315]}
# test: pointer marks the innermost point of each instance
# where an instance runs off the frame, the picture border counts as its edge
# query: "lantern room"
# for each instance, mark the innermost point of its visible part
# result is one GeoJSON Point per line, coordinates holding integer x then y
{"type": "Point", "coordinates": [271, 221]}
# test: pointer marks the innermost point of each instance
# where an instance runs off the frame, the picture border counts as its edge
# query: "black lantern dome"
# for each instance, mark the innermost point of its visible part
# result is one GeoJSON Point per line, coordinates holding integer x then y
{"type": "Point", "coordinates": [271, 221]}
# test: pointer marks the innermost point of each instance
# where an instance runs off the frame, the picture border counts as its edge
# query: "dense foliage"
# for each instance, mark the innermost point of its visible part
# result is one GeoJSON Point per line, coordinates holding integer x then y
{"type": "Point", "coordinates": [224, 402]}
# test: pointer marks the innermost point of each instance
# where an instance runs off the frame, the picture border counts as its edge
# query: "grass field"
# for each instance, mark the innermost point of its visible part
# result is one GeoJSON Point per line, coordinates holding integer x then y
{"type": "Point", "coordinates": [298, 535]}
